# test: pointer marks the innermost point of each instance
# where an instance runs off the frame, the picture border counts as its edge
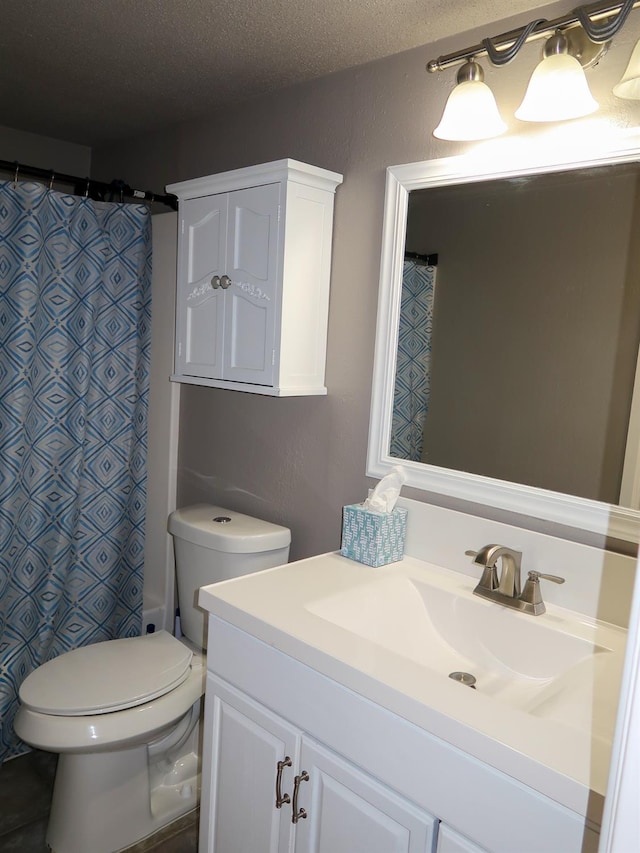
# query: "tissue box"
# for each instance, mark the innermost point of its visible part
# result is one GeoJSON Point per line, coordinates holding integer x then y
{"type": "Point", "coordinates": [371, 537]}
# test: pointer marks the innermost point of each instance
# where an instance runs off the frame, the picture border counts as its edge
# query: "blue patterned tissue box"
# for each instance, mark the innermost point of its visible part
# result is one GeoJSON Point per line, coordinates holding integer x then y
{"type": "Point", "coordinates": [371, 537]}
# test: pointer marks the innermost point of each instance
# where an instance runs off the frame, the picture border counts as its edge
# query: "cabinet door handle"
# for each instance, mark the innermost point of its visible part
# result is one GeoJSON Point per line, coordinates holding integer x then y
{"type": "Point", "coordinates": [225, 281]}
{"type": "Point", "coordinates": [215, 282]}
{"type": "Point", "coordinates": [281, 798]}
{"type": "Point", "coordinates": [296, 814]}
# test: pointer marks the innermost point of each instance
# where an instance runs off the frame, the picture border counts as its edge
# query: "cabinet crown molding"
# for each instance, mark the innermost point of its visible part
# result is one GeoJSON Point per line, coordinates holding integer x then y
{"type": "Point", "coordinates": [250, 176]}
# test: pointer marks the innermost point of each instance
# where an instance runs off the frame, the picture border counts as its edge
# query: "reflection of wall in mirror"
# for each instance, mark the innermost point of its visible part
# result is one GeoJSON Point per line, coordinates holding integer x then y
{"type": "Point", "coordinates": [536, 327]}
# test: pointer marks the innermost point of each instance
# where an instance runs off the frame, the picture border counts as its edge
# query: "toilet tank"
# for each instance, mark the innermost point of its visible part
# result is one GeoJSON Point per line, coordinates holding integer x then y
{"type": "Point", "coordinates": [214, 544]}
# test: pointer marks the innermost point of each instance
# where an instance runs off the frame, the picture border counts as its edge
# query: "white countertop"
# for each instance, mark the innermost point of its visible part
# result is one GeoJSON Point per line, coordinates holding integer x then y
{"type": "Point", "coordinates": [563, 753]}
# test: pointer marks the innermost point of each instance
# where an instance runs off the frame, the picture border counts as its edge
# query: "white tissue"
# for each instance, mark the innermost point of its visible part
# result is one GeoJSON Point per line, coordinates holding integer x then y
{"type": "Point", "coordinates": [383, 498]}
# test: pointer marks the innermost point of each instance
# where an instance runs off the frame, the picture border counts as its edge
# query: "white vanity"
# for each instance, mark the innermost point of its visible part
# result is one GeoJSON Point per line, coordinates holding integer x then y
{"type": "Point", "coordinates": [328, 695]}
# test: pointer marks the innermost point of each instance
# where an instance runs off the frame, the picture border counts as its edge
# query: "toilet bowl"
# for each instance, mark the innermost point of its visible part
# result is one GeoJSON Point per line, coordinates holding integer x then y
{"type": "Point", "coordinates": [128, 761]}
{"type": "Point", "coordinates": [124, 714]}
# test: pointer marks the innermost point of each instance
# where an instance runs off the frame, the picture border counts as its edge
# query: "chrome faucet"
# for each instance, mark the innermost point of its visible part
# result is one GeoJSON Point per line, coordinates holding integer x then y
{"type": "Point", "coordinates": [505, 589]}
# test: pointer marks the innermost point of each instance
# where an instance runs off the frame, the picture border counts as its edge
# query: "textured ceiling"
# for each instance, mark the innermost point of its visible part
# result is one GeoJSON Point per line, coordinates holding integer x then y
{"type": "Point", "coordinates": [90, 71]}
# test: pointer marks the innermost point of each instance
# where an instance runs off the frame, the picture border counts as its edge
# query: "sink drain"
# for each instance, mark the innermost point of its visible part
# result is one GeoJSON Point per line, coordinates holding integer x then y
{"type": "Point", "coordinates": [464, 678]}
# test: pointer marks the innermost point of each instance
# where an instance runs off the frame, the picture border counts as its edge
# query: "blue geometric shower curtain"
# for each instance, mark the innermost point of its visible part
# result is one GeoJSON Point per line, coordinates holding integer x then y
{"type": "Point", "coordinates": [75, 291]}
{"type": "Point", "coordinates": [413, 366]}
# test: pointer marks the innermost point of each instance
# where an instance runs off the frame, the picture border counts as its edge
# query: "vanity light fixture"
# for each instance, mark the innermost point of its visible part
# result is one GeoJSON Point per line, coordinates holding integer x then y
{"type": "Point", "coordinates": [629, 85]}
{"type": "Point", "coordinates": [471, 112]}
{"type": "Point", "coordinates": [558, 88]}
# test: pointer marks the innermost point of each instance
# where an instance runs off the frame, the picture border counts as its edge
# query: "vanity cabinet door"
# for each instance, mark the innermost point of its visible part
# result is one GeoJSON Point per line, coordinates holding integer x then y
{"type": "Point", "coordinates": [349, 811]}
{"type": "Point", "coordinates": [243, 744]}
{"type": "Point", "coordinates": [449, 841]}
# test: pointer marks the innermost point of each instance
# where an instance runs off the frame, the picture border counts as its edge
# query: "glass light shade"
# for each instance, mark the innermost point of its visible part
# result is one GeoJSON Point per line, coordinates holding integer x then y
{"type": "Point", "coordinates": [558, 90]}
{"type": "Point", "coordinates": [629, 85]}
{"type": "Point", "coordinates": [471, 113]}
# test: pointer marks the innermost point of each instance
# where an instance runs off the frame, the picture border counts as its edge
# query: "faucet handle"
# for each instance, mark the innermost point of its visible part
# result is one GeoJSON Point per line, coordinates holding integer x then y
{"type": "Point", "coordinates": [535, 576]}
{"type": "Point", "coordinates": [482, 555]}
{"type": "Point", "coordinates": [531, 593]}
{"type": "Point", "coordinates": [489, 579]}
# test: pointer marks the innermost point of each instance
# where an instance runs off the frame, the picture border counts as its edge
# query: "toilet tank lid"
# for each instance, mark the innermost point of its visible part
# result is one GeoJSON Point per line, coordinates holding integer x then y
{"type": "Point", "coordinates": [225, 530]}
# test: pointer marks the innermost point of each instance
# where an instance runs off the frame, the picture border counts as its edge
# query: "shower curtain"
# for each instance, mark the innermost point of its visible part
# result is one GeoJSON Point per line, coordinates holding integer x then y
{"type": "Point", "coordinates": [413, 366]}
{"type": "Point", "coordinates": [75, 308]}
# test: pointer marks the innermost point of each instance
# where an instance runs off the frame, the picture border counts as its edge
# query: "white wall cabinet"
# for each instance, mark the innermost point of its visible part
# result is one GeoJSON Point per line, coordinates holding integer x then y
{"type": "Point", "coordinates": [326, 804]}
{"type": "Point", "coordinates": [254, 257]}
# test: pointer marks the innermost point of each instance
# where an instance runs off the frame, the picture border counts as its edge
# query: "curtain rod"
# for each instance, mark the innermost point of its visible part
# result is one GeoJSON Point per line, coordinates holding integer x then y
{"type": "Point", "coordinates": [596, 12]}
{"type": "Point", "coordinates": [427, 260]}
{"type": "Point", "coordinates": [97, 190]}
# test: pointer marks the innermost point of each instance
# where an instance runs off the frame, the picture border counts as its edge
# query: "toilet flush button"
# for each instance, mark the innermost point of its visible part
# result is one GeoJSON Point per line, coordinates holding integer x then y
{"type": "Point", "coordinates": [222, 519]}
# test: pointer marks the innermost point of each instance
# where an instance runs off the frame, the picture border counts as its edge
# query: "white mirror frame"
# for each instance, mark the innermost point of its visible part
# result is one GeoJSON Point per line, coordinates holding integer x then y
{"type": "Point", "coordinates": [588, 515]}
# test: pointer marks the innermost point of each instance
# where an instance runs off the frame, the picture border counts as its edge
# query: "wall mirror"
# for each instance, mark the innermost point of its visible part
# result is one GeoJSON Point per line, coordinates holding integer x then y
{"type": "Point", "coordinates": [506, 367]}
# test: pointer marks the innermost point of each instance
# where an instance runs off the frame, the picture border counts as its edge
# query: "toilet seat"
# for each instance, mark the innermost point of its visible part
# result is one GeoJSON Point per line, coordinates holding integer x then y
{"type": "Point", "coordinates": [108, 676]}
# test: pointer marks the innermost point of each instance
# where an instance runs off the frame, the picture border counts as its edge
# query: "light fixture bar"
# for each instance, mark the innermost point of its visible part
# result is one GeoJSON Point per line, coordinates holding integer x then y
{"type": "Point", "coordinates": [544, 28]}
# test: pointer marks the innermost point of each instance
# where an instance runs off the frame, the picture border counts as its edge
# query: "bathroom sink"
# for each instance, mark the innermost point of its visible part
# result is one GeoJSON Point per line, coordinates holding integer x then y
{"type": "Point", "coordinates": [546, 689]}
{"type": "Point", "coordinates": [520, 660]}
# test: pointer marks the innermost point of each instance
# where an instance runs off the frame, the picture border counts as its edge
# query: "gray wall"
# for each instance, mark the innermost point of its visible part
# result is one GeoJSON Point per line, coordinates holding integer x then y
{"type": "Point", "coordinates": [298, 461]}
{"type": "Point", "coordinates": [44, 152]}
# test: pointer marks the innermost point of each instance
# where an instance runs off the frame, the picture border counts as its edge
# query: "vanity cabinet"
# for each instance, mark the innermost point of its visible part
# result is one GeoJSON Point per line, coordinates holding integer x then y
{"type": "Point", "coordinates": [377, 782]}
{"type": "Point", "coordinates": [254, 256]}
{"type": "Point", "coordinates": [449, 841]}
{"type": "Point", "coordinates": [270, 787]}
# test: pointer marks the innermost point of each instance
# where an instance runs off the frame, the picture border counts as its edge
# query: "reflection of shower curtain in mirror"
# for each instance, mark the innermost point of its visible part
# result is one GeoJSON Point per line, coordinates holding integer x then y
{"type": "Point", "coordinates": [411, 395]}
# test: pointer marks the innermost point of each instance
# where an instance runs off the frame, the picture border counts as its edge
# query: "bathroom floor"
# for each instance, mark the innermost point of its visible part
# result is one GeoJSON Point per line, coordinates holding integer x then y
{"type": "Point", "coordinates": [26, 784]}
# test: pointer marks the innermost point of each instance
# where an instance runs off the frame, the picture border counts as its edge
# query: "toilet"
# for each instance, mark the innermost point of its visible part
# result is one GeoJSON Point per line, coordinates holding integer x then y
{"type": "Point", "coordinates": [124, 714]}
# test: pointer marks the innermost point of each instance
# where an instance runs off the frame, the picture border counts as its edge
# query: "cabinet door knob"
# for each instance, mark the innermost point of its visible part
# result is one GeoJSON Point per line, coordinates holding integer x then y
{"type": "Point", "coordinates": [215, 282]}
{"type": "Point", "coordinates": [281, 798]}
{"type": "Point", "coordinates": [225, 281]}
{"type": "Point", "coordinates": [298, 814]}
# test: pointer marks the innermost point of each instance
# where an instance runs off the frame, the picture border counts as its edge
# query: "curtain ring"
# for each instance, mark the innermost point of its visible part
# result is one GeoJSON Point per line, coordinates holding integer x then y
{"type": "Point", "coordinates": [51, 179]}
{"type": "Point", "coordinates": [15, 174]}
{"type": "Point", "coordinates": [86, 189]}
